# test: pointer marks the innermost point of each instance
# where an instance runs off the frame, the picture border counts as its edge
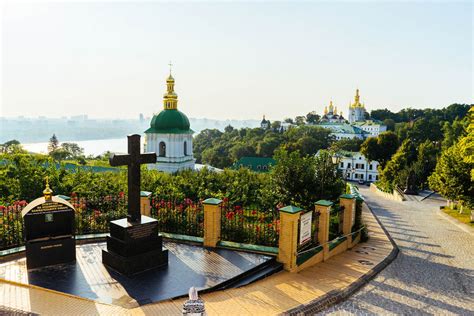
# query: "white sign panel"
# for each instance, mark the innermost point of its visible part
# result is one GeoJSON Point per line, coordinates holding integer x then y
{"type": "Point", "coordinates": [305, 227]}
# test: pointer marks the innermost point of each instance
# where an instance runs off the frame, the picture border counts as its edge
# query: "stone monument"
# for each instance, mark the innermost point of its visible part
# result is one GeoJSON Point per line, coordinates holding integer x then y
{"type": "Point", "coordinates": [134, 244]}
{"type": "Point", "coordinates": [49, 231]}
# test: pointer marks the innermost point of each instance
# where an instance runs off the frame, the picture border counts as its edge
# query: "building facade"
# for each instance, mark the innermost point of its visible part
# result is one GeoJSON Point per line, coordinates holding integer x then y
{"type": "Point", "coordinates": [354, 166]}
{"type": "Point", "coordinates": [170, 135]}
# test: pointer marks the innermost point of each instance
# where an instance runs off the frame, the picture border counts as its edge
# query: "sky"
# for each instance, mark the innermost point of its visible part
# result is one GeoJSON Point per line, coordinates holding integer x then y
{"type": "Point", "coordinates": [232, 60]}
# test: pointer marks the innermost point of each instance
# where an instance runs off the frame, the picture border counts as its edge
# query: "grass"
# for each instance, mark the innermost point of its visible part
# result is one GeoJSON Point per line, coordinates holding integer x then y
{"type": "Point", "coordinates": [465, 217]}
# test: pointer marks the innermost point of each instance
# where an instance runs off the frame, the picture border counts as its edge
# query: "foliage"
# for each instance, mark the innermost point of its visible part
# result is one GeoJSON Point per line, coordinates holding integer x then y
{"type": "Point", "coordinates": [452, 176]}
{"type": "Point", "coordinates": [11, 147]}
{"type": "Point", "coordinates": [380, 148]}
{"type": "Point", "coordinates": [221, 150]}
{"type": "Point", "coordinates": [301, 181]}
{"type": "Point", "coordinates": [347, 144]}
{"type": "Point", "coordinates": [53, 143]}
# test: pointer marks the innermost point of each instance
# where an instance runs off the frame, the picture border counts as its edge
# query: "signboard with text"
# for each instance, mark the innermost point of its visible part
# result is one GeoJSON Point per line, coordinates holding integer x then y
{"type": "Point", "coordinates": [305, 227]}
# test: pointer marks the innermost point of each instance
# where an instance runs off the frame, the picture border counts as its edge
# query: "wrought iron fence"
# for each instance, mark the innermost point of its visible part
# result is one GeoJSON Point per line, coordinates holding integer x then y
{"type": "Point", "coordinates": [11, 225]}
{"type": "Point", "coordinates": [93, 214]}
{"type": "Point", "coordinates": [250, 225]}
{"type": "Point", "coordinates": [336, 221]}
{"type": "Point", "coordinates": [178, 216]}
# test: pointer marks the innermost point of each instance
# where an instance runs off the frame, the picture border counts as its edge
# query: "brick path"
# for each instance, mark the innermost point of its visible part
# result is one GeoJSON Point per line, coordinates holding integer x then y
{"type": "Point", "coordinates": [433, 273]}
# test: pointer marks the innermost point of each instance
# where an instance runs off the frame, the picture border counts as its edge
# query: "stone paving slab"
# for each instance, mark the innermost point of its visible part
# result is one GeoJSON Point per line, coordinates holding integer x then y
{"type": "Point", "coordinates": [273, 295]}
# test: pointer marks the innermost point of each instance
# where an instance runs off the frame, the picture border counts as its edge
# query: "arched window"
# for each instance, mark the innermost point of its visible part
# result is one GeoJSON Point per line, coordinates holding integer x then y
{"type": "Point", "coordinates": [185, 148]}
{"type": "Point", "coordinates": [162, 148]}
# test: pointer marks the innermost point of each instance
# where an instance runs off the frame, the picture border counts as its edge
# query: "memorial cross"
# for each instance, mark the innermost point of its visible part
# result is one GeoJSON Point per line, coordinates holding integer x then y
{"type": "Point", "coordinates": [133, 160]}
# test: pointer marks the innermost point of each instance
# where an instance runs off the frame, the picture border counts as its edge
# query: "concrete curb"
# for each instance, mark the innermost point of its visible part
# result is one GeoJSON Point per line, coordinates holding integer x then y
{"type": "Point", "coordinates": [457, 223]}
{"type": "Point", "coordinates": [337, 296]}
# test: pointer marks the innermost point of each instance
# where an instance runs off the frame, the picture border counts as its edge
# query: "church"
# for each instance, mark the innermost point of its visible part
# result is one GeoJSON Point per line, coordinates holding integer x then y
{"type": "Point", "coordinates": [170, 135]}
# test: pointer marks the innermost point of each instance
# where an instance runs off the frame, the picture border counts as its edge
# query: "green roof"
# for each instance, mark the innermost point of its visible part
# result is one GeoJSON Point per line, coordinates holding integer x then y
{"type": "Point", "coordinates": [342, 128]}
{"type": "Point", "coordinates": [368, 122]}
{"type": "Point", "coordinates": [347, 196]}
{"type": "Point", "coordinates": [324, 203]}
{"type": "Point", "coordinates": [212, 201]}
{"type": "Point", "coordinates": [257, 164]}
{"type": "Point", "coordinates": [291, 209]}
{"type": "Point", "coordinates": [170, 122]}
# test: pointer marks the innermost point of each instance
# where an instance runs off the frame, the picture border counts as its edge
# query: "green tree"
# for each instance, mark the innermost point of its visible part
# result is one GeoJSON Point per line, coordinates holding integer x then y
{"type": "Point", "coordinates": [451, 177]}
{"type": "Point", "coordinates": [347, 144]}
{"type": "Point", "coordinates": [380, 148]}
{"type": "Point", "coordinates": [53, 143]}
{"type": "Point", "coordinates": [312, 117]}
{"type": "Point", "coordinates": [300, 120]}
{"type": "Point", "coordinates": [73, 150]}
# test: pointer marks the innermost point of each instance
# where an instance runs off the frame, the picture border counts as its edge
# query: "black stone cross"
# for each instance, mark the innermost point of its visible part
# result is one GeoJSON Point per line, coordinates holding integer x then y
{"type": "Point", "coordinates": [133, 160]}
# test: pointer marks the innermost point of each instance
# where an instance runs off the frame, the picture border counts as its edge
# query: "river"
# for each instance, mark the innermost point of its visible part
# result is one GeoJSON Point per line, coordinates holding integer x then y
{"type": "Point", "coordinates": [91, 147]}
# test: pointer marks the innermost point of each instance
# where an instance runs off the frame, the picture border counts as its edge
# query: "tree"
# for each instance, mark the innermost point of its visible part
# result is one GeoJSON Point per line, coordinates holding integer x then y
{"type": "Point", "coordinates": [301, 181]}
{"type": "Point", "coordinates": [53, 143]}
{"type": "Point", "coordinates": [451, 177]}
{"type": "Point", "coordinates": [348, 144]}
{"type": "Point", "coordinates": [380, 148]}
{"type": "Point", "coordinates": [11, 147]}
{"type": "Point", "coordinates": [300, 120]}
{"type": "Point", "coordinates": [390, 173]}
{"type": "Point", "coordinates": [73, 150]}
{"type": "Point", "coordinates": [312, 117]}
{"type": "Point", "coordinates": [228, 129]}
{"type": "Point", "coordinates": [390, 124]}
{"type": "Point", "coordinates": [240, 150]}
{"type": "Point", "coordinates": [288, 120]}
{"type": "Point", "coordinates": [276, 125]}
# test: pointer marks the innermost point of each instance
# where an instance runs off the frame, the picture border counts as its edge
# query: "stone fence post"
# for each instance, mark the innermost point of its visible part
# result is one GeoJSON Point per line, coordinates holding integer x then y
{"type": "Point", "coordinates": [348, 202]}
{"type": "Point", "coordinates": [212, 222]}
{"type": "Point", "coordinates": [324, 209]}
{"type": "Point", "coordinates": [288, 240]}
{"type": "Point", "coordinates": [145, 203]}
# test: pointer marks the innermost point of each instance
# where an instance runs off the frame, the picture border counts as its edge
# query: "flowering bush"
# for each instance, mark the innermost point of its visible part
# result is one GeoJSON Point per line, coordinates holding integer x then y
{"type": "Point", "coordinates": [251, 226]}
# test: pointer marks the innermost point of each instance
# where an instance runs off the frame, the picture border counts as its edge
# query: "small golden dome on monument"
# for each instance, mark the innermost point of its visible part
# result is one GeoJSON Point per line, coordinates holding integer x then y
{"type": "Point", "coordinates": [48, 193]}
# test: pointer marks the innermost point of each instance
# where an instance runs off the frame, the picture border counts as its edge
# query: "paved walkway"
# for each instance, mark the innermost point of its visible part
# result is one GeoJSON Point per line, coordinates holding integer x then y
{"type": "Point", "coordinates": [433, 273]}
{"type": "Point", "coordinates": [273, 295]}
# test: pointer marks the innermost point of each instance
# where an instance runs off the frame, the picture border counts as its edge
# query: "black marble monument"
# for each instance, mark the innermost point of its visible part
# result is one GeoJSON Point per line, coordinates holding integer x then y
{"type": "Point", "coordinates": [134, 245]}
{"type": "Point", "coordinates": [49, 231]}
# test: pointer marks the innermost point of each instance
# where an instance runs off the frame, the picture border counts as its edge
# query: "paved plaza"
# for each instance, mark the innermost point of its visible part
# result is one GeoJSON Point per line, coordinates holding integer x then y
{"type": "Point", "coordinates": [434, 271]}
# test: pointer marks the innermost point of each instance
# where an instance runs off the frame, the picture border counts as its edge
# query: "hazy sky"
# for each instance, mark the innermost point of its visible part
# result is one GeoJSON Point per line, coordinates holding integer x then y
{"type": "Point", "coordinates": [232, 60]}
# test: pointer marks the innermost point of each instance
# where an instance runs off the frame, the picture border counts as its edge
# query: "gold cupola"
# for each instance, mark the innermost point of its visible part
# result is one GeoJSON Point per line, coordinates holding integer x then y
{"type": "Point", "coordinates": [48, 193]}
{"type": "Point", "coordinates": [331, 107]}
{"type": "Point", "coordinates": [357, 100]}
{"type": "Point", "coordinates": [170, 99]}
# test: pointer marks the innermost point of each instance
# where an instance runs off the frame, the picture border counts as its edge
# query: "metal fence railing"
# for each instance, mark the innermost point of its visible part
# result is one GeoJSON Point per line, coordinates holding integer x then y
{"type": "Point", "coordinates": [178, 215]}
{"type": "Point", "coordinates": [250, 225]}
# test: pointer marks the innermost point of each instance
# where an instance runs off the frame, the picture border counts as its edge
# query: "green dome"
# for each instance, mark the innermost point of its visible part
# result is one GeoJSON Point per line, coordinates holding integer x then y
{"type": "Point", "coordinates": [170, 122]}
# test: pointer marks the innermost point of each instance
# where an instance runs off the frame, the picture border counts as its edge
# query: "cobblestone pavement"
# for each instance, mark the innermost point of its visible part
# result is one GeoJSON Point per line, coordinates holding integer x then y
{"type": "Point", "coordinates": [433, 273]}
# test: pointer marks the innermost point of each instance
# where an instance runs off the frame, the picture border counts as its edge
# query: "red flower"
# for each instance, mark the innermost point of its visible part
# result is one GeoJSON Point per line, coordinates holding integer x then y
{"type": "Point", "coordinates": [2, 207]}
{"type": "Point", "coordinates": [121, 194]}
{"type": "Point", "coordinates": [257, 229]}
{"type": "Point", "coordinates": [73, 194]}
{"type": "Point", "coordinates": [270, 225]}
{"type": "Point", "coordinates": [230, 215]}
{"type": "Point", "coordinates": [22, 203]}
{"type": "Point", "coordinates": [254, 212]}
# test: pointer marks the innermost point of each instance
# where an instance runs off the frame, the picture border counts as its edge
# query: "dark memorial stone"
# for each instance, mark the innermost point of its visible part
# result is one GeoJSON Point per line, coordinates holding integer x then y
{"type": "Point", "coordinates": [49, 231]}
{"type": "Point", "coordinates": [134, 244]}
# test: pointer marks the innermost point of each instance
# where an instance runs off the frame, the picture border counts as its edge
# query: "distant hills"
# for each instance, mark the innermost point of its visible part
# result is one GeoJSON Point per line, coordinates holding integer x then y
{"type": "Point", "coordinates": [29, 130]}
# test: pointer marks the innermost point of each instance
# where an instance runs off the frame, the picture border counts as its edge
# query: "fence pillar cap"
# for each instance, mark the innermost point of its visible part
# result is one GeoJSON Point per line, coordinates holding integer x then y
{"type": "Point", "coordinates": [324, 203]}
{"type": "Point", "coordinates": [347, 196]}
{"type": "Point", "coordinates": [145, 193]}
{"type": "Point", "coordinates": [212, 201]}
{"type": "Point", "coordinates": [290, 209]}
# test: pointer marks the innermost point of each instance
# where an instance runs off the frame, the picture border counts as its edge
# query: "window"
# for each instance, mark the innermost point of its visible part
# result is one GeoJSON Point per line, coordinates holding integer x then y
{"type": "Point", "coordinates": [259, 167]}
{"type": "Point", "coordinates": [348, 165]}
{"type": "Point", "coordinates": [362, 166]}
{"type": "Point", "coordinates": [185, 144]}
{"type": "Point", "coordinates": [370, 167]}
{"type": "Point", "coordinates": [370, 177]}
{"type": "Point", "coordinates": [342, 165]}
{"type": "Point", "coordinates": [376, 177]}
{"type": "Point", "coordinates": [162, 148]}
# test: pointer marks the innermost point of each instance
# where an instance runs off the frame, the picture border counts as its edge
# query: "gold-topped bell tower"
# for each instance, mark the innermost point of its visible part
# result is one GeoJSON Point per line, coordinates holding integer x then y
{"type": "Point", "coordinates": [170, 99]}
